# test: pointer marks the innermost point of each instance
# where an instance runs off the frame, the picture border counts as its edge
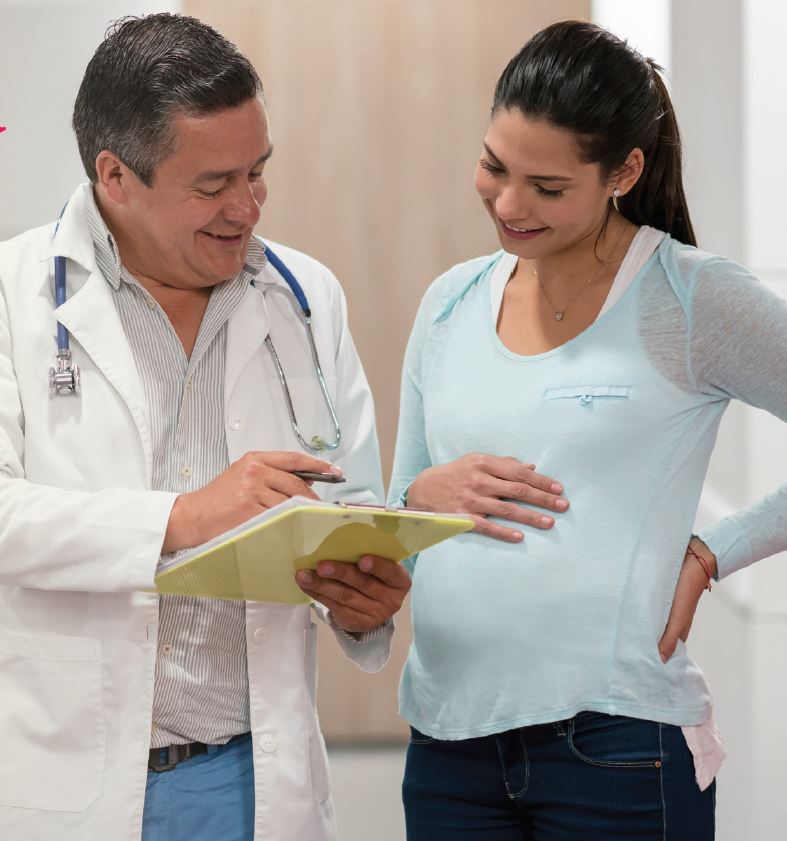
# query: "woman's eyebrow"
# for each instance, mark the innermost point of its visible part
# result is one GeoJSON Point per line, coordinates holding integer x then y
{"type": "Point", "coordinates": [564, 178]}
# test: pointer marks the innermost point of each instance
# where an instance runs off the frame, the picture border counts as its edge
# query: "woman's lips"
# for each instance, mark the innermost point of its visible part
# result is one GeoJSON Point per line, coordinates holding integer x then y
{"type": "Point", "coordinates": [520, 233]}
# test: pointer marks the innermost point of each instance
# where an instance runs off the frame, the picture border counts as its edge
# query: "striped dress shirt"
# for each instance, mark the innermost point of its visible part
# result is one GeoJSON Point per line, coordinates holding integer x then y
{"type": "Point", "coordinates": [201, 688]}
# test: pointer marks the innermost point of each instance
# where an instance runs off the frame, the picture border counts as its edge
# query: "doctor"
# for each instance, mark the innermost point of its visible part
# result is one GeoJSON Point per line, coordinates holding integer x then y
{"type": "Point", "coordinates": [125, 716]}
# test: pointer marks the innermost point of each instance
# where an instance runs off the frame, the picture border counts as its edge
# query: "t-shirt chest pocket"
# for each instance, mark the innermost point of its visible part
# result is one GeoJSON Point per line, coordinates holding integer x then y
{"type": "Point", "coordinates": [590, 396]}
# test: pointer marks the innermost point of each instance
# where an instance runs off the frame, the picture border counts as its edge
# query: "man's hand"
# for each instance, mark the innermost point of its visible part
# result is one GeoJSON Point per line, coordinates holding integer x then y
{"type": "Point", "coordinates": [360, 596]}
{"type": "Point", "coordinates": [254, 483]}
{"type": "Point", "coordinates": [489, 486]}
{"type": "Point", "coordinates": [691, 583]}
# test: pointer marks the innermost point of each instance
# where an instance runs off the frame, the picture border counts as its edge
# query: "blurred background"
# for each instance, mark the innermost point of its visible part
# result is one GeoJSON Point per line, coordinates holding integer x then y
{"type": "Point", "coordinates": [377, 112]}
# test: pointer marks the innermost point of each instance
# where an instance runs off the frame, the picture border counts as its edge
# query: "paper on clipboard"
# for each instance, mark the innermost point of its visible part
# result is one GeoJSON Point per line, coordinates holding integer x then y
{"type": "Point", "coordinates": [257, 561]}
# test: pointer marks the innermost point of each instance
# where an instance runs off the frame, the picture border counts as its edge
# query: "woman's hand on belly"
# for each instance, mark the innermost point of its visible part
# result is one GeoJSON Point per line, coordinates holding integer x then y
{"type": "Point", "coordinates": [489, 486]}
{"type": "Point", "coordinates": [695, 575]}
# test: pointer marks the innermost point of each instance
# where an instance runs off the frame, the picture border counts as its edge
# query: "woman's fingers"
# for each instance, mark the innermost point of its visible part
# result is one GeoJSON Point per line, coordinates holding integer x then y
{"type": "Point", "coordinates": [504, 509]}
{"type": "Point", "coordinates": [495, 530]}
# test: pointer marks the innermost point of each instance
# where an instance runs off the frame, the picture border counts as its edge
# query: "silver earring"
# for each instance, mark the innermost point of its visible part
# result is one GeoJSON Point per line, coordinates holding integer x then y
{"type": "Point", "coordinates": [615, 196]}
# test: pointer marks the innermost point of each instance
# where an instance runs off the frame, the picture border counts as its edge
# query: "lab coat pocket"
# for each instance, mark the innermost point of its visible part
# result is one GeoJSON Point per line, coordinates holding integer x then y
{"type": "Point", "coordinates": [52, 721]}
{"type": "Point", "coordinates": [318, 761]}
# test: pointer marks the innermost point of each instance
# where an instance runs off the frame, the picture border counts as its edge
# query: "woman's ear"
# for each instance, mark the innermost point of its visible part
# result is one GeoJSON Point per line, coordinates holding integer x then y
{"type": "Point", "coordinates": [626, 176]}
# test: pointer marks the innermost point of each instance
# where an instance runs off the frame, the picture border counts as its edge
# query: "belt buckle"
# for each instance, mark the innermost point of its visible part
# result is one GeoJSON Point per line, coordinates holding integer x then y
{"type": "Point", "coordinates": [172, 757]}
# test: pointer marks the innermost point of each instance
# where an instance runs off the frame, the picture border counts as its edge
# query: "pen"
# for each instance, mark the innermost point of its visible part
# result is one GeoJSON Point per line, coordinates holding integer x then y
{"type": "Point", "coordinates": [310, 476]}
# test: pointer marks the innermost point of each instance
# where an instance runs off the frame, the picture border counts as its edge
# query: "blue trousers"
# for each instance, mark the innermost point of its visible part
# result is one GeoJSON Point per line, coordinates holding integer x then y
{"type": "Point", "coordinates": [207, 798]}
{"type": "Point", "coordinates": [591, 778]}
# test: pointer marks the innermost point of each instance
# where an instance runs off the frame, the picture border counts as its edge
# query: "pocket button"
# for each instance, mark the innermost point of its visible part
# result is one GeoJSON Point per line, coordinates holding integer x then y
{"type": "Point", "coordinates": [586, 399]}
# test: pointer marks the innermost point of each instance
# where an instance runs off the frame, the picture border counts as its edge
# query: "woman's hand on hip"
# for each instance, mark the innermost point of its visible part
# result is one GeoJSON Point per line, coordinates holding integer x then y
{"type": "Point", "coordinates": [489, 486]}
{"type": "Point", "coordinates": [692, 581]}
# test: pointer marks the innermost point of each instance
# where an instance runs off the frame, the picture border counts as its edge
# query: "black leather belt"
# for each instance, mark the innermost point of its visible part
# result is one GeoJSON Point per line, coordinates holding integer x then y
{"type": "Point", "coordinates": [168, 758]}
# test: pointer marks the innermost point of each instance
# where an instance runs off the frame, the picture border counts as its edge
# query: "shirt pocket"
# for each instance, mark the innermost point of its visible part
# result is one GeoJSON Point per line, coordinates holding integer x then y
{"type": "Point", "coordinates": [52, 721]}
{"type": "Point", "coordinates": [589, 395]}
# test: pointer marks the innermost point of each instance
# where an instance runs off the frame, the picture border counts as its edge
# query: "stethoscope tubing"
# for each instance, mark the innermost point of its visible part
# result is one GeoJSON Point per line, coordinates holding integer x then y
{"type": "Point", "coordinates": [318, 443]}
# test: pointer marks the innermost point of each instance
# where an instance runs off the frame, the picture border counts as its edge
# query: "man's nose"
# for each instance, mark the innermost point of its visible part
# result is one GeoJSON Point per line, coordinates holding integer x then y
{"type": "Point", "coordinates": [245, 203]}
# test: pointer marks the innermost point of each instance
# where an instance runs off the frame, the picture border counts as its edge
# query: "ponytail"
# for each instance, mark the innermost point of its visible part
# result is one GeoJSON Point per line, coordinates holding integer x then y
{"type": "Point", "coordinates": [658, 198]}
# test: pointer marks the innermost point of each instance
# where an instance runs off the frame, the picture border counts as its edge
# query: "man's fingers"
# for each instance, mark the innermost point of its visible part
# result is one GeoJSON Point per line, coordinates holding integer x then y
{"type": "Point", "coordinates": [341, 590]}
{"type": "Point", "coordinates": [287, 461]}
{"type": "Point", "coordinates": [390, 572]}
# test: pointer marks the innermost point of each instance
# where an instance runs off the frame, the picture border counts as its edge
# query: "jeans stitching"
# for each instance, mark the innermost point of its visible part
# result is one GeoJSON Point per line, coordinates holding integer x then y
{"type": "Point", "coordinates": [605, 764]}
{"type": "Point", "coordinates": [527, 766]}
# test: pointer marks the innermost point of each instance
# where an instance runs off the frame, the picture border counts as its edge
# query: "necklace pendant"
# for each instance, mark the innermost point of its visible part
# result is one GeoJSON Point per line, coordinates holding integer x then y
{"type": "Point", "coordinates": [559, 316]}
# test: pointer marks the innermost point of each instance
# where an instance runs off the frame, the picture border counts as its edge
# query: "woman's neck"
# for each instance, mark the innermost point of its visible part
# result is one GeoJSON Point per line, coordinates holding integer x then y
{"type": "Point", "coordinates": [594, 256]}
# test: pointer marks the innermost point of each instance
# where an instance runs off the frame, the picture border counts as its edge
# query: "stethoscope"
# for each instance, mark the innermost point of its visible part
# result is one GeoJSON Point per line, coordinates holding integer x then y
{"type": "Point", "coordinates": [65, 380]}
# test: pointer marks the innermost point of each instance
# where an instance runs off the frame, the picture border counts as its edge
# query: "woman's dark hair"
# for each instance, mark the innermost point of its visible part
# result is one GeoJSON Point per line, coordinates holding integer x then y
{"type": "Point", "coordinates": [580, 77]}
{"type": "Point", "coordinates": [147, 71]}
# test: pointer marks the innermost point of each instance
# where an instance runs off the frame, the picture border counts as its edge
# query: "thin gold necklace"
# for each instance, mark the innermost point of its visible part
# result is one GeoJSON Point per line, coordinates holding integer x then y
{"type": "Point", "coordinates": [561, 314]}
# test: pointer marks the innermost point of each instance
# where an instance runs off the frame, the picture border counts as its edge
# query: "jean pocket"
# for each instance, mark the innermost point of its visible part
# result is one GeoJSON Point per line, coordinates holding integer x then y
{"type": "Point", "coordinates": [418, 738]}
{"type": "Point", "coordinates": [608, 741]}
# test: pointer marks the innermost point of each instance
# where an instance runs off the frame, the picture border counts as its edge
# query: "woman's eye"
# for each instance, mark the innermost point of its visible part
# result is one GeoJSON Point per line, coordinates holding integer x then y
{"type": "Point", "coordinates": [490, 167]}
{"type": "Point", "coordinates": [542, 191]}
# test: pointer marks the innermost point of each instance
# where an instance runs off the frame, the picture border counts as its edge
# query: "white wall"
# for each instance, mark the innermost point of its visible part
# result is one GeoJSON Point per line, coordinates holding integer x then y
{"type": "Point", "coordinates": [45, 48]}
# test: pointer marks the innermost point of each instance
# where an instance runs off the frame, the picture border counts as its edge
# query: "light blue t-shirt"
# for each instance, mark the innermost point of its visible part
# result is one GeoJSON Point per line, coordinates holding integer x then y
{"type": "Point", "coordinates": [625, 416]}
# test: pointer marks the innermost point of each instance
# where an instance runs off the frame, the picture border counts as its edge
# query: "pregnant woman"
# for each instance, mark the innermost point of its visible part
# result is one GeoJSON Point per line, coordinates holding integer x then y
{"type": "Point", "coordinates": [547, 700]}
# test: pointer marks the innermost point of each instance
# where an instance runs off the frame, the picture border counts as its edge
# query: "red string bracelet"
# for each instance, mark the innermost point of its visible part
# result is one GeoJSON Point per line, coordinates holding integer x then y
{"type": "Point", "coordinates": [705, 566]}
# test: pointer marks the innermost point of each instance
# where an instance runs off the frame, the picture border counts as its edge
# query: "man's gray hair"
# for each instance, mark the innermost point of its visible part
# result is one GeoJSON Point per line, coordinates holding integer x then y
{"type": "Point", "coordinates": [147, 71]}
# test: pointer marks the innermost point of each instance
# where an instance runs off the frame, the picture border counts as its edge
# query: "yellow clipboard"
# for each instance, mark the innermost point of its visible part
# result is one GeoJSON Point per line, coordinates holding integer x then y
{"type": "Point", "coordinates": [257, 561]}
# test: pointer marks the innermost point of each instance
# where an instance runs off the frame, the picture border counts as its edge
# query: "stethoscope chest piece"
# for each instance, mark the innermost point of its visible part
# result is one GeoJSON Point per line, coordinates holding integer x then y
{"type": "Point", "coordinates": [65, 379]}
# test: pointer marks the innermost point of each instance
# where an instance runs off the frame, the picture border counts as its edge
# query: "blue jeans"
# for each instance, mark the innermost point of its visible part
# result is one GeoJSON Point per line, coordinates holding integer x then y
{"type": "Point", "coordinates": [207, 798]}
{"type": "Point", "coordinates": [591, 778]}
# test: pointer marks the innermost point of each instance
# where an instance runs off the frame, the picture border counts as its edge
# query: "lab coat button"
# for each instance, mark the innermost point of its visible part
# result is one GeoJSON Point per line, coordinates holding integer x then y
{"type": "Point", "coordinates": [258, 636]}
{"type": "Point", "coordinates": [268, 743]}
{"type": "Point", "coordinates": [237, 422]}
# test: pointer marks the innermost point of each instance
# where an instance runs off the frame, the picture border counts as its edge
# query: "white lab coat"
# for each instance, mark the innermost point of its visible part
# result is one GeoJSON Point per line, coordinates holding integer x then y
{"type": "Point", "coordinates": [81, 532]}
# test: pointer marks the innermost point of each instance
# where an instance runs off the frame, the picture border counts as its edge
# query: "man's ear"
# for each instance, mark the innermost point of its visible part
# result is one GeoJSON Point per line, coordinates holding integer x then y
{"type": "Point", "coordinates": [114, 177]}
{"type": "Point", "coordinates": [626, 176]}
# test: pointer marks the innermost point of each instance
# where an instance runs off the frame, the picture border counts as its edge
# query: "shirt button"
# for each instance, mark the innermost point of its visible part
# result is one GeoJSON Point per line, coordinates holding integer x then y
{"type": "Point", "coordinates": [237, 422]}
{"type": "Point", "coordinates": [151, 304]}
{"type": "Point", "coordinates": [268, 743]}
{"type": "Point", "coordinates": [258, 636]}
{"type": "Point", "coordinates": [189, 384]}
{"type": "Point", "coordinates": [167, 648]}
{"type": "Point", "coordinates": [185, 470]}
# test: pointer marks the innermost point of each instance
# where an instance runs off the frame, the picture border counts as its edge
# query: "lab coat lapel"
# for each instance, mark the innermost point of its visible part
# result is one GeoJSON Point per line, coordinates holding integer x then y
{"type": "Point", "coordinates": [247, 328]}
{"type": "Point", "coordinates": [90, 316]}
